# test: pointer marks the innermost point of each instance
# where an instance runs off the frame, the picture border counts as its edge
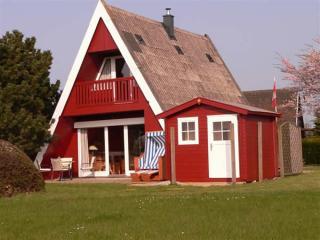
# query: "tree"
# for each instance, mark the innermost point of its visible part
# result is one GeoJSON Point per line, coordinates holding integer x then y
{"type": "Point", "coordinates": [27, 98]}
{"type": "Point", "coordinates": [317, 124]}
{"type": "Point", "coordinates": [306, 76]}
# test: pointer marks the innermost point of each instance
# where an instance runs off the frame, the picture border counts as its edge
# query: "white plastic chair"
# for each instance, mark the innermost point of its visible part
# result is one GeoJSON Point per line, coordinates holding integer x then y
{"type": "Point", "coordinates": [89, 166]}
{"type": "Point", "coordinates": [61, 165]}
{"type": "Point", "coordinates": [41, 169]}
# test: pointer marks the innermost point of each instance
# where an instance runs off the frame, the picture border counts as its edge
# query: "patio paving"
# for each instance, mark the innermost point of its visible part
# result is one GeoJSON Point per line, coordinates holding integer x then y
{"type": "Point", "coordinates": [122, 180]}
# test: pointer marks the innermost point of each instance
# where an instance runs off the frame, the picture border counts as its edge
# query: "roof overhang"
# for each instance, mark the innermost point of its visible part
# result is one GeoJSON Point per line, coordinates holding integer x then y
{"type": "Point", "coordinates": [216, 104]}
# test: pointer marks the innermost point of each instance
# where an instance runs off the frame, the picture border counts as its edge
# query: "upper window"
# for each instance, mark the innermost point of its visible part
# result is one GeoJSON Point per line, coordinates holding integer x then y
{"type": "Point", "coordinates": [106, 70]}
{"type": "Point", "coordinates": [122, 69]}
{"type": "Point", "coordinates": [113, 67]}
{"type": "Point", "coordinates": [188, 130]}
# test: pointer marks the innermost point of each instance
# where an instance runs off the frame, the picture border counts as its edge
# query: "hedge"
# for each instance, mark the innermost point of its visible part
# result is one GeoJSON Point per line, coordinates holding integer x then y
{"type": "Point", "coordinates": [311, 150]}
{"type": "Point", "coordinates": [17, 172]}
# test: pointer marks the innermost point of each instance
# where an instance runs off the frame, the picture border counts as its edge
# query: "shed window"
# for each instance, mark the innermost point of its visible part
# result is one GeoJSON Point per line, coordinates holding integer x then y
{"type": "Point", "coordinates": [188, 130]}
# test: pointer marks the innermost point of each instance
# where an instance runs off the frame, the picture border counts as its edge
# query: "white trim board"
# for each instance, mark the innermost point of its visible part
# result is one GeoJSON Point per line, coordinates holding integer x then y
{"type": "Point", "coordinates": [126, 149]}
{"type": "Point", "coordinates": [99, 12]}
{"type": "Point", "coordinates": [109, 123]}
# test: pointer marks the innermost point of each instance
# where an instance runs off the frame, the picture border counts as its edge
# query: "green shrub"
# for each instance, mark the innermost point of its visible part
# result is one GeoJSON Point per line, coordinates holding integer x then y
{"type": "Point", "coordinates": [311, 150]}
{"type": "Point", "coordinates": [17, 172]}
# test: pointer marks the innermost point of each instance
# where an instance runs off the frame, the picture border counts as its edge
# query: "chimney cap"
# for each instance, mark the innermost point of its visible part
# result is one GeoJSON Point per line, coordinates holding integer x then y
{"type": "Point", "coordinates": [168, 11]}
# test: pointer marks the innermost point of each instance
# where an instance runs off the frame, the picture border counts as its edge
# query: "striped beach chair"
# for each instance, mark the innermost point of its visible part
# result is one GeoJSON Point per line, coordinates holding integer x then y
{"type": "Point", "coordinates": [154, 148]}
{"type": "Point", "coordinates": [149, 163]}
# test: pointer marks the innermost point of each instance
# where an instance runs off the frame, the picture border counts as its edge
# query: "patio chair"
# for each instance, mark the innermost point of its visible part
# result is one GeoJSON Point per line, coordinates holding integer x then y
{"type": "Point", "coordinates": [89, 166]}
{"type": "Point", "coordinates": [61, 165]}
{"type": "Point", "coordinates": [149, 166]}
{"type": "Point", "coordinates": [41, 169]}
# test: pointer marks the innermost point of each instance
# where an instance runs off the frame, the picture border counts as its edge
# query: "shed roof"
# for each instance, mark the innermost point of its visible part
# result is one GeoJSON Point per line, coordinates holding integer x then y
{"type": "Point", "coordinates": [175, 78]}
{"type": "Point", "coordinates": [232, 107]}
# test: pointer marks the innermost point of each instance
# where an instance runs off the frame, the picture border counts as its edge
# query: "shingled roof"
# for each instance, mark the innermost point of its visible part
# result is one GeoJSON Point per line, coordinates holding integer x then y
{"type": "Point", "coordinates": [262, 99]}
{"type": "Point", "coordinates": [175, 78]}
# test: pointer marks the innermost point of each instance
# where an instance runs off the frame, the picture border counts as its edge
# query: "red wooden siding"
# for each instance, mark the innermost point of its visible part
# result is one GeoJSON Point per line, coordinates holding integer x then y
{"type": "Point", "coordinates": [269, 141]}
{"type": "Point", "coordinates": [102, 40]}
{"type": "Point", "coordinates": [151, 121]}
{"type": "Point", "coordinates": [251, 148]}
{"type": "Point", "coordinates": [90, 67]}
{"type": "Point", "coordinates": [270, 165]}
{"type": "Point", "coordinates": [243, 143]}
{"type": "Point", "coordinates": [64, 143]}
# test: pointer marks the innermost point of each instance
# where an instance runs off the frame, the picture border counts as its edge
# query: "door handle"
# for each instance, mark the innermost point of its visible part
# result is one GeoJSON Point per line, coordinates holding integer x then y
{"type": "Point", "coordinates": [210, 146]}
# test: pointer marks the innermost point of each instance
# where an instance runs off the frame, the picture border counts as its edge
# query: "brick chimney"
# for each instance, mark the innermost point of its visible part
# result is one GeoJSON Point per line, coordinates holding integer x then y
{"type": "Point", "coordinates": [168, 23]}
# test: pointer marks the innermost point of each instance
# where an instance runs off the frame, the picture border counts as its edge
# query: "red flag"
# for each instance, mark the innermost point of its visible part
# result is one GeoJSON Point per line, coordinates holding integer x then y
{"type": "Point", "coordinates": [274, 95]}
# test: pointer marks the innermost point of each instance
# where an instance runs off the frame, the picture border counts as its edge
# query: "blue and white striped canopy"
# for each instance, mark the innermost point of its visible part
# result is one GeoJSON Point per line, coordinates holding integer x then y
{"type": "Point", "coordinates": [154, 148]}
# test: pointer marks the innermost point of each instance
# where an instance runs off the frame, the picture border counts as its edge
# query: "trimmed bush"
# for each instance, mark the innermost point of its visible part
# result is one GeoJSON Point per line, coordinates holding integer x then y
{"type": "Point", "coordinates": [17, 172]}
{"type": "Point", "coordinates": [311, 150]}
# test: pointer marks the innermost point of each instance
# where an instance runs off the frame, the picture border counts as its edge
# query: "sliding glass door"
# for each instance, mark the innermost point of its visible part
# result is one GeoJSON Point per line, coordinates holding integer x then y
{"type": "Point", "coordinates": [109, 149]}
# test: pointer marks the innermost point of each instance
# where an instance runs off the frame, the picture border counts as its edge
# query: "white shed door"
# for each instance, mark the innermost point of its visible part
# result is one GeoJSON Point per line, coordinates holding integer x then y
{"type": "Point", "coordinates": [219, 146]}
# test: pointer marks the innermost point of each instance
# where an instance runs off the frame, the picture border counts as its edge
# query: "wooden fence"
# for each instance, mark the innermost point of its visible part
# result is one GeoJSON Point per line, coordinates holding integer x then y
{"type": "Point", "coordinates": [290, 149]}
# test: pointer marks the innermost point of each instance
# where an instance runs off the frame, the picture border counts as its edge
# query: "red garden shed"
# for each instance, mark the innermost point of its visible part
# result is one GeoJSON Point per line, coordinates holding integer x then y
{"type": "Point", "coordinates": [202, 143]}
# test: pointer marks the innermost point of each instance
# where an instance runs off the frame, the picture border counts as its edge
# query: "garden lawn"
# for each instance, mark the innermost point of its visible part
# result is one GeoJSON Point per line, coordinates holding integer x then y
{"type": "Point", "coordinates": [288, 208]}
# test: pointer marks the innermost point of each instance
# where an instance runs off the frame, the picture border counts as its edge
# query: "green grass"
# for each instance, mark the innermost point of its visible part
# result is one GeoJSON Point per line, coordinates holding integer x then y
{"type": "Point", "coordinates": [288, 208]}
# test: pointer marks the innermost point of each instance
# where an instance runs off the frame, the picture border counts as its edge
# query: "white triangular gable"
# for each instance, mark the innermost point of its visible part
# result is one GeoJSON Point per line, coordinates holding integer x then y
{"type": "Point", "coordinates": [100, 12]}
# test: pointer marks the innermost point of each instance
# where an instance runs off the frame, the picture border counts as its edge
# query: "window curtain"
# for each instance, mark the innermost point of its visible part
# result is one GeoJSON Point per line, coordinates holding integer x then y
{"type": "Point", "coordinates": [84, 148]}
{"type": "Point", "coordinates": [106, 71]}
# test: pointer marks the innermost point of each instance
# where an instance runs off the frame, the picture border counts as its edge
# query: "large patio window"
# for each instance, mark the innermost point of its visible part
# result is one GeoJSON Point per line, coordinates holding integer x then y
{"type": "Point", "coordinates": [92, 150]}
{"type": "Point", "coordinates": [136, 143]}
{"type": "Point", "coordinates": [96, 148]}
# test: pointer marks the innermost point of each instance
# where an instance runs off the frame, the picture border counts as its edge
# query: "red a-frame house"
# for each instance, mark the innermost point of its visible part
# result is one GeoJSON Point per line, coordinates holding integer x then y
{"type": "Point", "coordinates": [129, 73]}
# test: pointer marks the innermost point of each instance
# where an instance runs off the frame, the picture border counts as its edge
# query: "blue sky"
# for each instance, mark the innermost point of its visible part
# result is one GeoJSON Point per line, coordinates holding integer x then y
{"type": "Point", "coordinates": [249, 34]}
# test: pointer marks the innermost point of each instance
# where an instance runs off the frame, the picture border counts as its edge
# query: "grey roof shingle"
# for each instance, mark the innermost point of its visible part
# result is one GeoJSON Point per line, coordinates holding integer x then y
{"type": "Point", "coordinates": [262, 99]}
{"type": "Point", "coordinates": [173, 78]}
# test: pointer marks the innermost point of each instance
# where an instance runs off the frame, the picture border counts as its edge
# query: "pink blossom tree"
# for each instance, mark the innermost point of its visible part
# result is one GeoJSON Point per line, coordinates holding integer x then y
{"type": "Point", "coordinates": [306, 75]}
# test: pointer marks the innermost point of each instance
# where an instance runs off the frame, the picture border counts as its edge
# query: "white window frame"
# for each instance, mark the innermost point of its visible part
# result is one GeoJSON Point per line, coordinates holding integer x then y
{"type": "Point", "coordinates": [196, 123]}
{"type": "Point", "coordinates": [113, 67]}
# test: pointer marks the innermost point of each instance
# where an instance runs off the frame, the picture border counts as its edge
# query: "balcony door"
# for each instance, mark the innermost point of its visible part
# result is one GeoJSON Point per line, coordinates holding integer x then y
{"type": "Point", "coordinates": [113, 67]}
{"type": "Point", "coordinates": [105, 70]}
{"type": "Point", "coordinates": [111, 72]}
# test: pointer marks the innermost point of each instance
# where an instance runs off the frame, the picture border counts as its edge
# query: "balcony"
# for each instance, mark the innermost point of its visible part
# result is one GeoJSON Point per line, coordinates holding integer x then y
{"type": "Point", "coordinates": [119, 94]}
{"type": "Point", "coordinates": [110, 91]}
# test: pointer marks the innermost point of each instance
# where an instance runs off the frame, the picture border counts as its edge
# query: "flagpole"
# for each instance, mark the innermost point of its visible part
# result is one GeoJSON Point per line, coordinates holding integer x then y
{"type": "Point", "coordinates": [274, 96]}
